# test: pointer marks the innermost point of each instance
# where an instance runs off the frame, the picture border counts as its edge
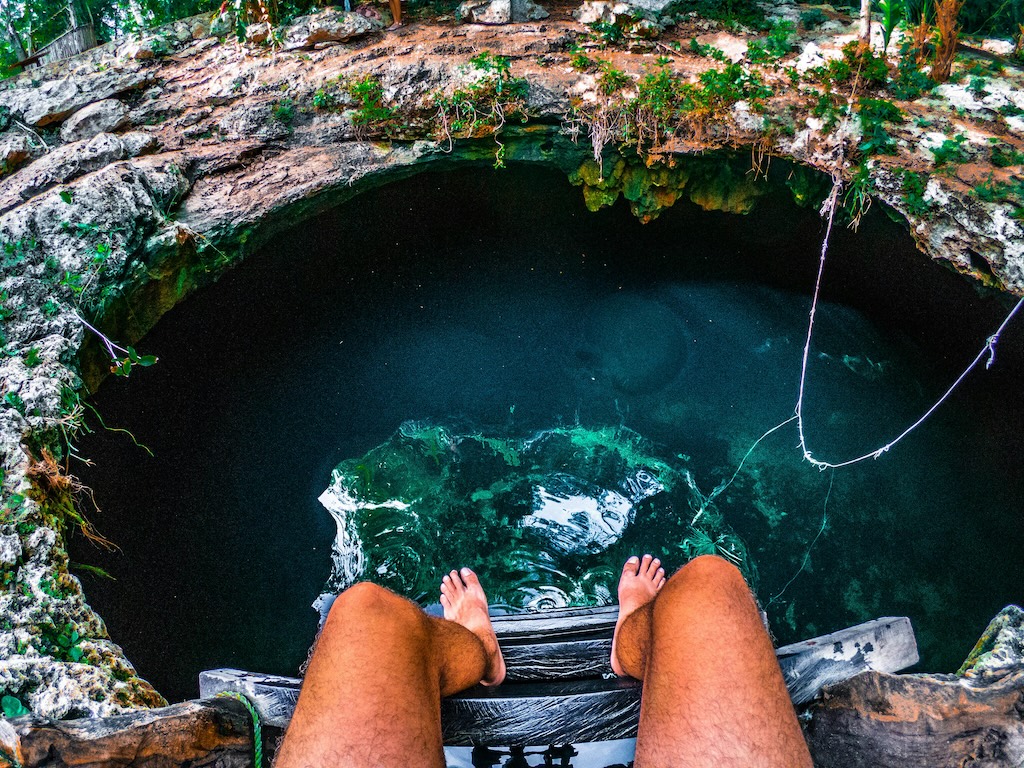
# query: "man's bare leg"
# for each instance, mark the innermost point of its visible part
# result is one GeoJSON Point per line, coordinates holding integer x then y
{"type": "Point", "coordinates": [713, 693]}
{"type": "Point", "coordinates": [372, 692]}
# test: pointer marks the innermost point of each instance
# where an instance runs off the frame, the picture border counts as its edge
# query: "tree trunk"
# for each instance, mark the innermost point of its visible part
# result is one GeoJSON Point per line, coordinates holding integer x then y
{"type": "Point", "coordinates": [865, 22]}
{"type": "Point", "coordinates": [10, 35]}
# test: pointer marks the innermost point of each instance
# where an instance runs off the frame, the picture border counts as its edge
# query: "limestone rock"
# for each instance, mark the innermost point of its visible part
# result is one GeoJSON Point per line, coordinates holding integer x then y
{"type": "Point", "coordinates": [633, 20]}
{"type": "Point", "coordinates": [328, 26]}
{"type": "Point", "coordinates": [99, 117]}
{"type": "Point", "coordinates": [999, 651]}
{"type": "Point", "coordinates": [53, 100]}
{"type": "Point", "coordinates": [257, 33]}
{"type": "Point", "coordinates": [139, 50]}
{"type": "Point", "coordinates": [637, 18]}
{"type": "Point", "coordinates": [137, 143]}
{"type": "Point", "coordinates": [810, 57]}
{"type": "Point", "coordinates": [215, 732]}
{"type": "Point", "coordinates": [223, 24]}
{"type": "Point", "coordinates": [500, 11]}
{"type": "Point", "coordinates": [14, 150]}
{"type": "Point", "coordinates": [485, 11]}
{"type": "Point", "coordinates": [10, 549]}
{"type": "Point", "coordinates": [59, 167]}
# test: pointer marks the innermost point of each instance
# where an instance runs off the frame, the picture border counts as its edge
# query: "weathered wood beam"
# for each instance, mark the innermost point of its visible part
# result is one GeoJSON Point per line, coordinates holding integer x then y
{"type": "Point", "coordinates": [560, 710]}
{"type": "Point", "coordinates": [878, 720]}
{"type": "Point", "coordinates": [213, 732]}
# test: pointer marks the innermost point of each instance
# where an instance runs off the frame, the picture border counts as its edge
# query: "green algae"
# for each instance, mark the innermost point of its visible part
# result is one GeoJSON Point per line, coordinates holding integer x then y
{"type": "Point", "coordinates": [546, 520]}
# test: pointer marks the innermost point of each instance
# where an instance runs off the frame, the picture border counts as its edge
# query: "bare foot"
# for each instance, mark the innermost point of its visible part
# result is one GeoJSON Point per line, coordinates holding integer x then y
{"type": "Point", "coordinates": [640, 581]}
{"type": "Point", "coordinates": [465, 603]}
{"type": "Point", "coordinates": [396, 25]}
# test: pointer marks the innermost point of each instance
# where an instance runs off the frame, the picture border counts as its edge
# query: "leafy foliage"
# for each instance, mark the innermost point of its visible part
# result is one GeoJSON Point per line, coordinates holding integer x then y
{"type": "Point", "coordinates": [893, 12]}
{"type": "Point", "coordinates": [777, 44]}
{"type": "Point", "coordinates": [874, 114]}
{"type": "Point", "coordinates": [13, 707]}
{"type": "Point", "coordinates": [483, 106]}
{"type": "Point", "coordinates": [951, 151]}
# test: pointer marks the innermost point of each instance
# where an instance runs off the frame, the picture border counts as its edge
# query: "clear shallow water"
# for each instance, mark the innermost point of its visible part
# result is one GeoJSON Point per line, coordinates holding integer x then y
{"type": "Point", "coordinates": [494, 303]}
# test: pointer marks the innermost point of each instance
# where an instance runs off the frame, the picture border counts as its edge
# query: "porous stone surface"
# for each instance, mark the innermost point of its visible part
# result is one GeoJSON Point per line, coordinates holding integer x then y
{"type": "Point", "coordinates": [328, 26]}
{"type": "Point", "coordinates": [500, 11]}
{"type": "Point", "coordinates": [99, 117]}
{"type": "Point", "coordinates": [225, 144]}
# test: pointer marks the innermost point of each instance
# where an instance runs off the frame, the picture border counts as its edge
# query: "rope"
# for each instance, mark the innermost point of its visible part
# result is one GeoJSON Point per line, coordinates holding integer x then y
{"type": "Point", "coordinates": [989, 349]}
{"type": "Point", "coordinates": [807, 554]}
{"type": "Point", "coordinates": [706, 500]}
{"type": "Point", "coordinates": [257, 729]}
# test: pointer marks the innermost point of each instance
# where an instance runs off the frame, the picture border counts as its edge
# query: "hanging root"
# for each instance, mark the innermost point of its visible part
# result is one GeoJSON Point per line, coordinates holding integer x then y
{"type": "Point", "coordinates": [60, 495]}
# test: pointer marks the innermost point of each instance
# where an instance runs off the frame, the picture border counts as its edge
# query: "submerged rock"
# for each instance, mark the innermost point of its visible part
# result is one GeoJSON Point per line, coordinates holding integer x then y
{"type": "Point", "coordinates": [635, 342]}
{"type": "Point", "coordinates": [545, 520]}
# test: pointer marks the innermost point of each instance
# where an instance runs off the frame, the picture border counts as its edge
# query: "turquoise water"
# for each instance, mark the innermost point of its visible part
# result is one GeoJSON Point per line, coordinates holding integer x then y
{"type": "Point", "coordinates": [494, 307]}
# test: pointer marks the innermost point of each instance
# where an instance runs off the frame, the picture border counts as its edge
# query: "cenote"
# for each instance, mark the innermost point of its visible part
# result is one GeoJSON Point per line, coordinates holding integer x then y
{"type": "Point", "coordinates": [492, 305]}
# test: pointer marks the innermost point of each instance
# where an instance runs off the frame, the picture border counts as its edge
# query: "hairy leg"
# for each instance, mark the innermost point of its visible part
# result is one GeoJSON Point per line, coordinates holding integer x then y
{"type": "Point", "coordinates": [372, 692]}
{"type": "Point", "coordinates": [713, 693]}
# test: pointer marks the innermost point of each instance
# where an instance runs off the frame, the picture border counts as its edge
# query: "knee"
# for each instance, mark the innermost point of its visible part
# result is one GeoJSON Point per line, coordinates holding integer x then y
{"type": "Point", "coordinates": [708, 572]}
{"type": "Point", "coordinates": [366, 602]}
{"type": "Point", "coordinates": [713, 568]}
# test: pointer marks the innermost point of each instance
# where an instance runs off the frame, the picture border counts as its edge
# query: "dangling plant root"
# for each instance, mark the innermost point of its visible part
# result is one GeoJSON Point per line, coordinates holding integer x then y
{"type": "Point", "coordinates": [61, 494]}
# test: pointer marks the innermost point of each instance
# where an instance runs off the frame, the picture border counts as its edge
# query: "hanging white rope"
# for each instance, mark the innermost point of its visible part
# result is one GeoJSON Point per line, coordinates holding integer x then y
{"type": "Point", "coordinates": [989, 349]}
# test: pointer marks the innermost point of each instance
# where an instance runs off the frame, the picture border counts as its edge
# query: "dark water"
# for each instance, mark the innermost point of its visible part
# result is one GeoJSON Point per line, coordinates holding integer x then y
{"type": "Point", "coordinates": [494, 302]}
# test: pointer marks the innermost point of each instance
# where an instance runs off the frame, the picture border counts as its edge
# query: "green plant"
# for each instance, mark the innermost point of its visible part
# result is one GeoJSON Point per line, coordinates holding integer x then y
{"type": "Point", "coordinates": [13, 400]}
{"type": "Point", "coordinates": [606, 33]}
{"type": "Point", "coordinates": [913, 186]}
{"type": "Point", "coordinates": [612, 79]}
{"type": "Point", "coordinates": [707, 50]}
{"type": "Point", "coordinates": [50, 308]}
{"type": "Point", "coordinates": [484, 105]}
{"type": "Point", "coordinates": [812, 18]}
{"type": "Point", "coordinates": [776, 45]}
{"type": "Point", "coordinates": [951, 151]}
{"type": "Point", "coordinates": [32, 358]}
{"type": "Point", "coordinates": [283, 112]}
{"type": "Point", "coordinates": [910, 82]}
{"type": "Point", "coordinates": [874, 114]}
{"type": "Point", "coordinates": [578, 59]}
{"type": "Point", "coordinates": [5, 311]}
{"type": "Point", "coordinates": [13, 707]}
{"type": "Point", "coordinates": [324, 100]}
{"type": "Point", "coordinates": [14, 252]}
{"type": "Point", "coordinates": [827, 109]}
{"type": "Point", "coordinates": [857, 199]}
{"type": "Point", "coordinates": [370, 117]}
{"type": "Point", "coordinates": [1004, 156]}
{"type": "Point", "coordinates": [892, 14]}
{"type": "Point", "coordinates": [995, 191]}
{"type": "Point", "coordinates": [863, 63]}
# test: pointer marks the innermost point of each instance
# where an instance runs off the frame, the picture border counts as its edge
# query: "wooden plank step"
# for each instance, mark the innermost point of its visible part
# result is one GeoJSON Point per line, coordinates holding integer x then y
{"type": "Point", "coordinates": [558, 711]}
